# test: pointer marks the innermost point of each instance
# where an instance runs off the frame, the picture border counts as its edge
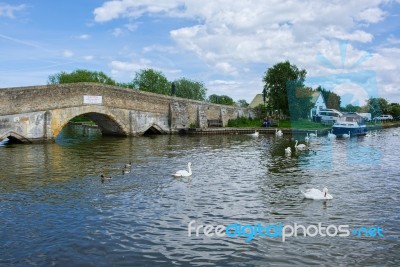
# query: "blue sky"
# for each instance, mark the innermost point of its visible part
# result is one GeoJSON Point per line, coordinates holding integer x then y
{"type": "Point", "coordinates": [349, 47]}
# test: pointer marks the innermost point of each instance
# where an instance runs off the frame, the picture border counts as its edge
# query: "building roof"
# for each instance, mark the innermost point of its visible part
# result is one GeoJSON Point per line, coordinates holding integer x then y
{"type": "Point", "coordinates": [257, 100]}
{"type": "Point", "coordinates": [315, 96]}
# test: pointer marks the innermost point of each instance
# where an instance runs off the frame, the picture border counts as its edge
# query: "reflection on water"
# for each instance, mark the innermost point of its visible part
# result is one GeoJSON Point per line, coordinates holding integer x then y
{"type": "Point", "coordinates": [55, 210]}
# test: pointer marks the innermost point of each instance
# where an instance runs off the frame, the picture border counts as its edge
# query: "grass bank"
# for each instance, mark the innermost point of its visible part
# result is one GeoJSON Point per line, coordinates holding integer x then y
{"type": "Point", "coordinates": [255, 123]}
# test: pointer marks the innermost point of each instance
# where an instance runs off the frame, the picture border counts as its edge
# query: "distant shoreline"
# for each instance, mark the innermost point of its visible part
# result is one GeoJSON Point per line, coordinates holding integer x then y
{"type": "Point", "coordinates": [271, 130]}
{"type": "Point", "coordinates": [261, 130]}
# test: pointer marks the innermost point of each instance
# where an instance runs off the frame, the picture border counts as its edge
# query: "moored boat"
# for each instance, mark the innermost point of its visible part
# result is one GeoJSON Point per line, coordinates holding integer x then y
{"type": "Point", "coordinates": [349, 125]}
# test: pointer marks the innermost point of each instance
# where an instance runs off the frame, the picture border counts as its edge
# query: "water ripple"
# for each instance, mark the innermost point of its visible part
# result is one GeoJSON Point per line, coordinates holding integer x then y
{"type": "Point", "coordinates": [54, 210]}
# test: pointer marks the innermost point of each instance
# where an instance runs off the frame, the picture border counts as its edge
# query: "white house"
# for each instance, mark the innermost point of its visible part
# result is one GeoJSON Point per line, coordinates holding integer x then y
{"type": "Point", "coordinates": [318, 102]}
{"type": "Point", "coordinates": [257, 100]}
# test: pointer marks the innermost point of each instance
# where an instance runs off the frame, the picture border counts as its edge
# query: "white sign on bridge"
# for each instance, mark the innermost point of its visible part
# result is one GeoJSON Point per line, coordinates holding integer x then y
{"type": "Point", "coordinates": [92, 99]}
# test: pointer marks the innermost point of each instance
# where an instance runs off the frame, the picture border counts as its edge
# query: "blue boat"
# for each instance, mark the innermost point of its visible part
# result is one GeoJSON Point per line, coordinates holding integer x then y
{"type": "Point", "coordinates": [349, 125]}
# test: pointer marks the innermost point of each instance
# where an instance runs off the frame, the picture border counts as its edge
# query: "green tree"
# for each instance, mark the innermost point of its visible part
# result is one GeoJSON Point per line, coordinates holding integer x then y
{"type": "Point", "coordinates": [190, 89]}
{"type": "Point", "coordinates": [260, 111]}
{"type": "Point", "coordinates": [221, 99]}
{"type": "Point", "coordinates": [332, 100]}
{"type": "Point", "coordinates": [129, 85]}
{"type": "Point", "coordinates": [80, 76]}
{"type": "Point", "coordinates": [276, 80]}
{"type": "Point", "coordinates": [150, 80]}
{"type": "Point", "coordinates": [299, 99]}
{"type": "Point", "coordinates": [395, 109]}
{"type": "Point", "coordinates": [351, 108]}
{"type": "Point", "coordinates": [242, 103]}
{"type": "Point", "coordinates": [378, 106]}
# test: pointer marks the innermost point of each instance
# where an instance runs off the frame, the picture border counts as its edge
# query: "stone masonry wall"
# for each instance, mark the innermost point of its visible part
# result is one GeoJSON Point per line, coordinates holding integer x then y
{"type": "Point", "coordinates": [139, 110]}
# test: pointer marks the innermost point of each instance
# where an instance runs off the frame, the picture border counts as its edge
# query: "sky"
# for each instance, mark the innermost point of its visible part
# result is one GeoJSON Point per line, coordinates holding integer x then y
{"type": "Point", "coordinates": [349, 47]}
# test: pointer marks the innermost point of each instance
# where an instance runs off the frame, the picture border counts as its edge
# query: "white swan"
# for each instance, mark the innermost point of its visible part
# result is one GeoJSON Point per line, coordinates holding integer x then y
{"type": "Point", "coordinates": [331, 135]}
{"type": "Point", "coordinates": [255, 134]}
{"type": "Point", "coordinates": [307, 139]}
{"type": "Point", "coordinates": [184, 173]}
{"type": "Point", "coordinates": [288, 151]}
{"type": "Point", "coordinates": [128, 165]}
{"type": "Point", "coordinates": [317, 194]}
{"type": "Point", "coordinates": [300, 147]}
{"type": "Point", "coordinates": [278, 133]}
{"type": "Point", "coordinates": [346, 135]}
{"type": "Point", "coordinates": [314, 134]}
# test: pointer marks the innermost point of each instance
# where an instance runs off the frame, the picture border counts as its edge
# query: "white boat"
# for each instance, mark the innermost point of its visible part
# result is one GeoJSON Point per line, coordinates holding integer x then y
{"type": "Point", "coordinates": [349, 125]}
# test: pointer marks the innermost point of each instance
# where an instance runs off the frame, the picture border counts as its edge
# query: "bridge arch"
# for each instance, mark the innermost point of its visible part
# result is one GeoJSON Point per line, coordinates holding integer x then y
{"type": "Point", "coordinates": [14, 137]}
{"type": "Point", "coordinates": [154, 129]}
{"type": "Point", "coordinates": [108, 123]}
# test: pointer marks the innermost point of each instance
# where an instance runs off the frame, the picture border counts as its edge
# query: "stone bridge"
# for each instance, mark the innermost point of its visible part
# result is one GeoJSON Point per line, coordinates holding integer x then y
{"type": "Point", "coordinates": [38, 113]}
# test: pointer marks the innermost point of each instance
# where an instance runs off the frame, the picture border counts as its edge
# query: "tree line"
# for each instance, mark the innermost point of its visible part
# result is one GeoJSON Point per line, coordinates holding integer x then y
{"type": "Point", "coordinates": [284, 92]}
{"type": "Point", "coordinates": [148, 80]}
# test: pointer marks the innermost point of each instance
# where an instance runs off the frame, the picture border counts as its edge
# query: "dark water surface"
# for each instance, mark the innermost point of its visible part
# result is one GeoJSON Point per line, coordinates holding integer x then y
{"type": "Point", "coordinates": [54, 210]}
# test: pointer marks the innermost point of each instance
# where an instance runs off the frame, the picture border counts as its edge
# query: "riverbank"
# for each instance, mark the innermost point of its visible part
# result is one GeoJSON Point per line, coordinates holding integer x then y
{"type": "Point", "coordinates": [261, 130]}
{"type": "Point", "coordinates": [271, 130]}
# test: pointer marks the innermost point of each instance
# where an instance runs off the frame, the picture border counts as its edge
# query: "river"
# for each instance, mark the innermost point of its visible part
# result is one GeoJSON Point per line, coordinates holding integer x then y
{"type": "Point", "coordinates": [54, 209]}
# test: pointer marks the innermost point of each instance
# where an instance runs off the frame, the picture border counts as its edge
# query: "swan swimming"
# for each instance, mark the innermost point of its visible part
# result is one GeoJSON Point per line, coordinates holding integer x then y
{"type": "Point", "coordinates": [346, 135]}
{"type": "Point", "coordinates": [317, 194]}
{"type": "Point", "coordinates": [307, 139]}
{"type": "Point", "coordinates": [288, 151]}
{"type": "Point", "coordinates": [184, 173]}
{"type": "Point", "coordinates": [301, 146]}
{"type": "Point", "coordinates": [255, 134]}
{"type": "Point", "coordinates": [314, 134]}
{"type": "Point", "coordinates": [331, 135]}
{"type": "Point", "coordinates": [278, 133]}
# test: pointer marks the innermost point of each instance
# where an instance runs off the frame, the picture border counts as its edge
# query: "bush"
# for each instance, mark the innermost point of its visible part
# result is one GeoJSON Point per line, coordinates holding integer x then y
{"type": "Point", "coordinates": [244, 122]}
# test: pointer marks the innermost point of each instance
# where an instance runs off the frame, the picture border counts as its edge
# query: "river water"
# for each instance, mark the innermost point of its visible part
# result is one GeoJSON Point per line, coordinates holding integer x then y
{"type": "Point", "coordinates": [54, 209]}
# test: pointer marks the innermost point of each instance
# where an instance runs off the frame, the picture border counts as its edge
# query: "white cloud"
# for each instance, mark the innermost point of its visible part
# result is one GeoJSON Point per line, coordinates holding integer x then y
{"type": "Point", "coordinates": [230, 36]}
{"type": "Point", "coordinates": [7, 10]}
{"type": "Point", "coordinates": [226, 68]}
{"type": "Point", "coordinates": [352, 94]}
{"type": "Point", "coordinates": [88, 57]}
{"type": "Point", "coordinates": [117, 32]}
{"type": "Point", "coordinates": [124, 66]}
{"type": "Point", "coordinates": [125, 69]}
{"type": "Point", "coordinates": [159, 48]}
{"type": "Point", "coordinates": [84, 36]}
{"type": "Point", "coordinates": [372, 15]}
{"type": "Point", "coordinates": [132, 9]}
{"type": "Point", "coordinates": [68, 53]}
{"type": "Point", "coordinates": [132, 26]}
{"type": "Point", "coordinates": [358, 35]}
